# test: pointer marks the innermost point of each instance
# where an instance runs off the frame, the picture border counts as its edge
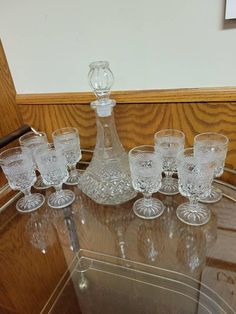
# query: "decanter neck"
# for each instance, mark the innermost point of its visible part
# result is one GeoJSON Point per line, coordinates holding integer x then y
{"type": "Point", "coordinates": [103, 106]}
{"type": "Point", "coordinates": [108, 143]}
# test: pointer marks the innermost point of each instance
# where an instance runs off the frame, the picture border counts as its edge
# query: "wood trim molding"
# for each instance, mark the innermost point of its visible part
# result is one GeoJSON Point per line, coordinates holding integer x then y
{"type": "Point", "coordinates": [185, 95]}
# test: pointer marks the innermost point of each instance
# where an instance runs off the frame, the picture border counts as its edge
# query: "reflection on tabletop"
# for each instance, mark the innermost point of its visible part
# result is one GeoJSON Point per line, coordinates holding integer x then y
{"type": "Point", "coordinates": [67, 235]}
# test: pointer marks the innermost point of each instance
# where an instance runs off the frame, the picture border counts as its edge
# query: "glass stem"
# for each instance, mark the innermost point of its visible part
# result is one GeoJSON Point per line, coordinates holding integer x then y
{"type": "Point", "coordinates": [58, 188]}
{"type": "Point", "coordinates": [27, 193]}
{"type": "Point", "coordinates": [168, 175]}
{"type": "Point", "coordinates": [72, 169]}
{"type": "Point", "coordinates": [147, 199]}
{"type": "Point", "coordinates": [193, 200]}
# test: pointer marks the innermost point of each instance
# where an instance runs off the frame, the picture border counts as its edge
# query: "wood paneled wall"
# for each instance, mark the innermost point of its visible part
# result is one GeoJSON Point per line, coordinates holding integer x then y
{"type": "Point", "coordinates": [9, 111]}
{"type": "Point", "coordinates": [10, 116]}
{"type": "Point", "coordinates": [139, 114]}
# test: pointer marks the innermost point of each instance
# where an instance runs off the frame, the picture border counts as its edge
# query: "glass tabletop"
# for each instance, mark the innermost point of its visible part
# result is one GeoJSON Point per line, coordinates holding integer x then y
{"type": "Point", "coordinates": [89, 258]}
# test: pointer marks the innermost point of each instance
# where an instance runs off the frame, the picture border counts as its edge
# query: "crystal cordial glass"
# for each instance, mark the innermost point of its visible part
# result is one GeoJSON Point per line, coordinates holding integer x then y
{"type": "Point", "coordinates": [169, 143]}
{"type": "Point", "coordinates": [53, 168]}
{"type": "Point", "coordinates": [33, 141]}
{"type": "Point", "coordinates": [146, 169]}
{"type": "Point", "coordinates": [214, 146]}
{"type": "Point", "coordinates": [18, 166]}
{"type": "Point", "coordinates": [195, 179]}
{"type": "Point", "coordinates": [67, 139]}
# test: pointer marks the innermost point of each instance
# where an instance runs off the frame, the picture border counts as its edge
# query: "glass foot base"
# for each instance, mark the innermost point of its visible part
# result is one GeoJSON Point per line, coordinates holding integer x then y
{"type": "Point", "coordinates": [155, 209]}
{"type": "Point", "coordinates": [194, 215]}
{"type": "Point", "coordinates": [169, 186]}
{"type": "Point", "coordinates": [40, 185]}
{"type": "Point", "coordinates": [215, 196]}
{"type": "Point", "coordinates": [61, 199]}
{"type": "Point", "coordinates": [30, 204]}
{"type": "Point", "coordinates": [74, 177]}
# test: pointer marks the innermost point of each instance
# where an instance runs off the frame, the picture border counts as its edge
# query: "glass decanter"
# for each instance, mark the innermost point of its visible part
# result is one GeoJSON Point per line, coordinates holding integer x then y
{"type": "Point", "coordinates": [107, 179]}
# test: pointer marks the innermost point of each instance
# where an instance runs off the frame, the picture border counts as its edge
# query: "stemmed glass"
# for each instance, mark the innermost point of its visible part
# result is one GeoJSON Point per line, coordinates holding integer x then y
{"type": "Point", "coordinates": [214, 146]}
{"type": "Point", "coordinates": [18, 166]}
{"type": "Point", "coordinates": [145, 166]}
{"type": "Point", "coordinates": [52, 166]}
{"type": "Point", "coordinates": [169, 143]}
{"type": "Point", "coordinates": [33, 141]}
{"type": "Point", "coordinates": [67, 139]}
{"type": "Point", "coordinates": [195, 179]}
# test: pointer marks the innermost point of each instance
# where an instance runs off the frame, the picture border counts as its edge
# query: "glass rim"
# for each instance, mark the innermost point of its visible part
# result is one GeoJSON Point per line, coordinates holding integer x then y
{"type": "Point", "coordinates": [19, 148]}
{"type": "Point", "coordinates": [49, 151]}
{"type": "Point", "coordinates": [97, 64]}
{"type": "Point", "coordinates": [191, 155]}
{"type": "Point", "coordinates": [14, 150]}
{"type": "Point", "coordinates": [138, 148]}
{"type": "Point", "coordinates": [65, 130]}
{"type": "Point", "coordinates": [222, 136]}
{"type": "Point", "coordinates": [173, 130]}
{"type": "Point", "coordinates": [49, 147]}
{"type": "Point", "coordinates": [25, 136]}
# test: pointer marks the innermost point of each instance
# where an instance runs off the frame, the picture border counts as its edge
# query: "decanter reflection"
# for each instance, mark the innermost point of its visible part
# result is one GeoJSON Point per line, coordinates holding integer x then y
{"type": "Point", "coordinates": [117, 219]}
{"type": "Point", "coordinates": [65, 226]}
{"type": "Point", "coordinates": [107, 179]}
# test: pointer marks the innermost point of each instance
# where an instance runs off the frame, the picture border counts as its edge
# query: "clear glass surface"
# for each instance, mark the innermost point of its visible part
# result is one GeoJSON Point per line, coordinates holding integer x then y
{"type": "Point", "coordinates": [132, 265]}
{"type": "Point", "coordinates": [133, 288]}
{"type": "Point", "coordinates": [145, 166]}
{"type": "Point", "coordinates": [169, 143]}
{"type": "Point", "coordinates": [213, 146]}
{"type": "Point", "coordinates": [53, 168]}
{"type": "Point", "coordinates": [195, 179]}
{"type": "Point", "coordinates": [67, 140]}
{"type": "Point", "coordinates": [18, 166]}
{"type": "Point", "coordinates": [33, 141]}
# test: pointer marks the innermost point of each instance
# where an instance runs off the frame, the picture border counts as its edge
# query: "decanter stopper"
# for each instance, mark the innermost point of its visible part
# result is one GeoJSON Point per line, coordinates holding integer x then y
{"type": "Point", "coordinates": [101, 79]}
{"type": "Point", "coordinates": [107, 179]}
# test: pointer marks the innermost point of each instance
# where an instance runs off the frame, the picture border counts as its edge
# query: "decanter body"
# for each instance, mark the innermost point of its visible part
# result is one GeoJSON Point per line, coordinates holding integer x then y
{"type": "Point", "coordinates": [107, 179]}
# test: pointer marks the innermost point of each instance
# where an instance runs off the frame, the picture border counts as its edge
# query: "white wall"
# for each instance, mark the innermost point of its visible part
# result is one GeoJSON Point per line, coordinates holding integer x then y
{"type": "Point", "coordinates": [150, 43]}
